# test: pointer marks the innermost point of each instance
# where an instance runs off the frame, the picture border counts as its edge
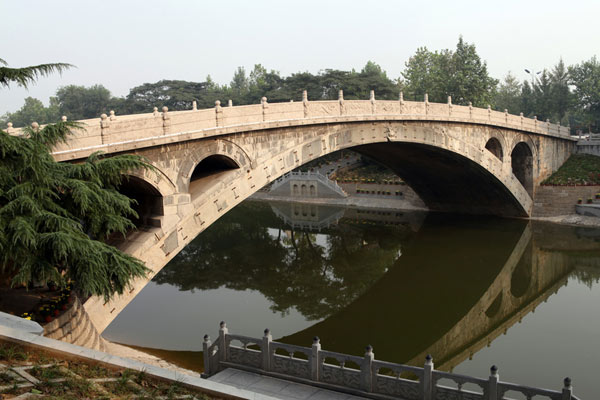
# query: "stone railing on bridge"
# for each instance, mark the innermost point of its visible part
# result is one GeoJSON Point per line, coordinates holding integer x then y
{"type": "Point", "coordinates": [111, 133]}
{"type": "Point", "coordinates": [363, 376]}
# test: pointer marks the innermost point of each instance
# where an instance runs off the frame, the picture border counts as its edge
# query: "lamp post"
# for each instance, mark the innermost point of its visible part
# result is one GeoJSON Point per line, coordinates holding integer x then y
{"type": "Point", "coordinates": [533, 76]}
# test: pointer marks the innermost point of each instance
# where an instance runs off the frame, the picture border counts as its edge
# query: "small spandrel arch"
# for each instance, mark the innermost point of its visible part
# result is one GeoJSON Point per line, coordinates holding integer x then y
{"type": "Point", "coordinates": [522, 165]}
{"type": "Point", "coordinates": [495, 147]}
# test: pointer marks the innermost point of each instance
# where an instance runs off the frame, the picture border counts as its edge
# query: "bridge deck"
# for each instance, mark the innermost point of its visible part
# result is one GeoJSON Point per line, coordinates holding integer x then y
{"type": "Point", "coordinates": [276, 388]}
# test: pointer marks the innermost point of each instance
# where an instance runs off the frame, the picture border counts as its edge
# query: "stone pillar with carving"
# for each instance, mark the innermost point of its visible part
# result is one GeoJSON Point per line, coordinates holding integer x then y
{"type": "Point", "coordinates": [218, 113]}
{"type": "Point", "coordinates": [208, 369]}
{"type": "Point", "coordinates": [265, 108]}
{"type": "Point", "coordinates": [493, 383]}
{"type": "Point", "coordinates": [428, 378]}
{"type": "Point", "coordinates": [401, 99]}
{"type": "Point", "coordinates": [223, 345]}
{"type": "Point", "coordinates": [104, 127]}
{"type": "Point", "coordinates": [366, 370]}
{"type": "Point", "coordinates": [314, 359]}
{"type": "Point", "coordinates": [305, 103]}
{"type": "Point", "coordinates": [426, 101]}
{"type": "Point", "coordinates": [341, 102]}
{"type": "Point", "coordinates": [373, 103]}
{"type": "Point", "coordinates": [567, 391]}
{"type": "Point", "coordinates": [266, 350]}
{"type": "Point", "coordinates": [449, 106]}
{"type": "Point", "coordinates": [166, 120]}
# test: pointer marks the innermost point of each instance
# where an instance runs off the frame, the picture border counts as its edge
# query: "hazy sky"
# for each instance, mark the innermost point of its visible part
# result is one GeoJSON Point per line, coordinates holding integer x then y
{"type": "Point", "coordinates": [121, 44]}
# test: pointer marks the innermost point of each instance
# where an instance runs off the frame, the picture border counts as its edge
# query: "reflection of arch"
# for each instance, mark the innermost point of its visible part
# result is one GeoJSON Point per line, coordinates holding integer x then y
{"type": "Point", "coordinates": [522, 165]}
{"type": "Point", "coordinates": [493, 309]}
{"type": "Point", "coordinates": [521, 277]}
{"type": "Point", "coordinates": [495, 147]}
{"type": "Point", "coordinates": [149, 202]}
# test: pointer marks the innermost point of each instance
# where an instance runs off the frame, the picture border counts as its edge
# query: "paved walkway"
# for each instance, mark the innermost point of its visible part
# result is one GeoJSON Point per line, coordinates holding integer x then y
{"type": "Point", "coordinates": [276, 388]}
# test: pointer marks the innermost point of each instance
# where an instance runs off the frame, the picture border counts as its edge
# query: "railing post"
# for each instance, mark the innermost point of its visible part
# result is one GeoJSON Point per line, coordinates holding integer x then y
{"type": "Point", "coordinates": [9, 127]}
{"type": "Point", "coordinates": [449, 106]}
{"type": "Point", "coordinates": [470, 110]}
{"type": "Point", "coordinates": [493, 383]}
{"type": "Point", "coordinates": [426, 101]}
{"type": "Point", "coordinates": [489, 112]}
{"type": "Point", "coordinates": [194, 105]}
{"type": "Point", "coordinates": [401, 102]}
{"type": "Point", "coordinates": [265, 107]}
{"type": "Point", "coordinates": [341, 102]}
{"type": "Point", "coordinates": [373, 104]}
{"type": "Point", "coordinates": [305, 102]}
{"type": "Point", "coordinates": [266, 350]}
{"type": "Point", "coordinates": [218, 113]}
{"type": "Point", "coordinates": [314, 359]}
{"type": "Point", "coordinates": [104, 125]}
{"type": "Point", "coordinates": [223, 347]}
{"type": "Point", "coordinates": [112, 115]}
{"type": "Point", "coordinates": [567, 390]}
{"type": "Point", "coordinates": [205, 345]}
{"type": "Point", "coordinates": [366, 370]}
{"type": "Point", "coordinates": [428, 378]}
{"type": "Point", "coordinates": [521, 115]}
{"type": "Point", "coordinates": [166, 119]}
{"type": "Point", "coordinates": [506, 116]}
{"type": "Point", "coordinates": [229, 103]}
{"type": "Point", "coordinates": [155, 112]}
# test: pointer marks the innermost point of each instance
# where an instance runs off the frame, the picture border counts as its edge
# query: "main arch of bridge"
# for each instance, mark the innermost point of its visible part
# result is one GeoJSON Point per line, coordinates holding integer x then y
{"type": "Point", "coordinates": [453, 166]}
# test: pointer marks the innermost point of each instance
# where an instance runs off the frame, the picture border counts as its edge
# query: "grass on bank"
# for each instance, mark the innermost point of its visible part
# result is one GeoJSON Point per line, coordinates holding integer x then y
{"type": "Point", "coordinates": [68, 379]}
{"type": "Point", "coordinates": [578, 170]}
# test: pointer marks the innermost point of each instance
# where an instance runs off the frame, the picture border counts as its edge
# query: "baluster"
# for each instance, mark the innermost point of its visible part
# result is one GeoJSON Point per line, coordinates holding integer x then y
{"type": "Point", "coordinates": [366, 370]}
{"type": "Point", "coordinates": [428, 378]}
{"type": "Point", "coordinates": [493, 383]}
{"type": "Point", "coordinates": [314, 359]}
{"type": "Point", "coordinates": [223, 345]}
{"type": "Point", "coordinates": [266, 350]}
{"type": "Point", "coordinates": [567, 389]}
{"type": "Point", "coordinates": [205, 345]}
{"type": "Point", "coordinates": [265, 107]}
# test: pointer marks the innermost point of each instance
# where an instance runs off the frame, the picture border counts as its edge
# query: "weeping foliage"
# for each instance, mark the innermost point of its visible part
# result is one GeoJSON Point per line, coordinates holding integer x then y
{"type": "Point", "coordinates": [55, 216]}
{"type": "Point", "coordinates": [28, 75]}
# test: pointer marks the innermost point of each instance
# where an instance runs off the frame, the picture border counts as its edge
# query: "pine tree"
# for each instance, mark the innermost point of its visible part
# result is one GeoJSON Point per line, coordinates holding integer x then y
{"type": "Point", "coordinates": [54, 217]}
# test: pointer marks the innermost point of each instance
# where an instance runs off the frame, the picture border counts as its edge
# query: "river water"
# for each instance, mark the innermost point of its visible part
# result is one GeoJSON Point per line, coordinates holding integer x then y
{"type": "Point", "coordinates": [471, 291]}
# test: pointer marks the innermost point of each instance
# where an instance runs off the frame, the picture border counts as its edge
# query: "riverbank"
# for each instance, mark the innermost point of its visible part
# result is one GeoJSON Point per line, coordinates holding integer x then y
{"type": "Point", "coordinates": [397, 204]}
{"type": "Point", "coordinates": [350, 201]}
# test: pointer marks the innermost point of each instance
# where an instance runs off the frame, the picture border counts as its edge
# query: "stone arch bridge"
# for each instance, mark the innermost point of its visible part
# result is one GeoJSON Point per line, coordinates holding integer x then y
{"type": "Point", "coordinates": [457, 158]}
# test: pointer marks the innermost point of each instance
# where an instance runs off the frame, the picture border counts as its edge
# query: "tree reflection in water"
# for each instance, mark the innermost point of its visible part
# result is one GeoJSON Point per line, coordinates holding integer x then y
{"type": "Point", "coordinates": [316, 273]}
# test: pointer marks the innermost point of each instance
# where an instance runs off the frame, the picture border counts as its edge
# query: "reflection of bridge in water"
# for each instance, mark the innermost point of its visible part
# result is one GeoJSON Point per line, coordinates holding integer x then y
{"type": "Point", "coordinates": [455, 307]}
{"type": "Point", "coordinates": [315, 217]}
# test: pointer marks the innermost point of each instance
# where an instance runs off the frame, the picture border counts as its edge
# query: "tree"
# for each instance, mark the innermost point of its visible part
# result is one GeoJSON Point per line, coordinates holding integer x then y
{"type": "Point", "coordinates": [79, 102]}
{"type": "Point", "coordinates": [561, 94]}
{"type": "Point", "coordinates": [27, 75]}
{"type": "Point", "coordinates": [468, 79]}
{"type": "Point", "coordinates": [460, 74]}
{"type": "Point", "coordinates": [508, 95]}
{"type": "Point", "coordinates": [586, 79]}
{"type": "Point", "coordinates": [32, 111]}
{"type": "Point", "coordinates": [54, 217]}
{"type": "Point", "coordinates": [177, 95]}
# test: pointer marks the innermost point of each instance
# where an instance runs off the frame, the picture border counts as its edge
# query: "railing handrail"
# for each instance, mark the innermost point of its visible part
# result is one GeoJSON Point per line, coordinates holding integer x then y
{"type": "Point", "coordinates": [333, 185]}
{"type": "Point", "coordinates": [149, 129]}
{"type": "Point", "coordinates": [370, 383]}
